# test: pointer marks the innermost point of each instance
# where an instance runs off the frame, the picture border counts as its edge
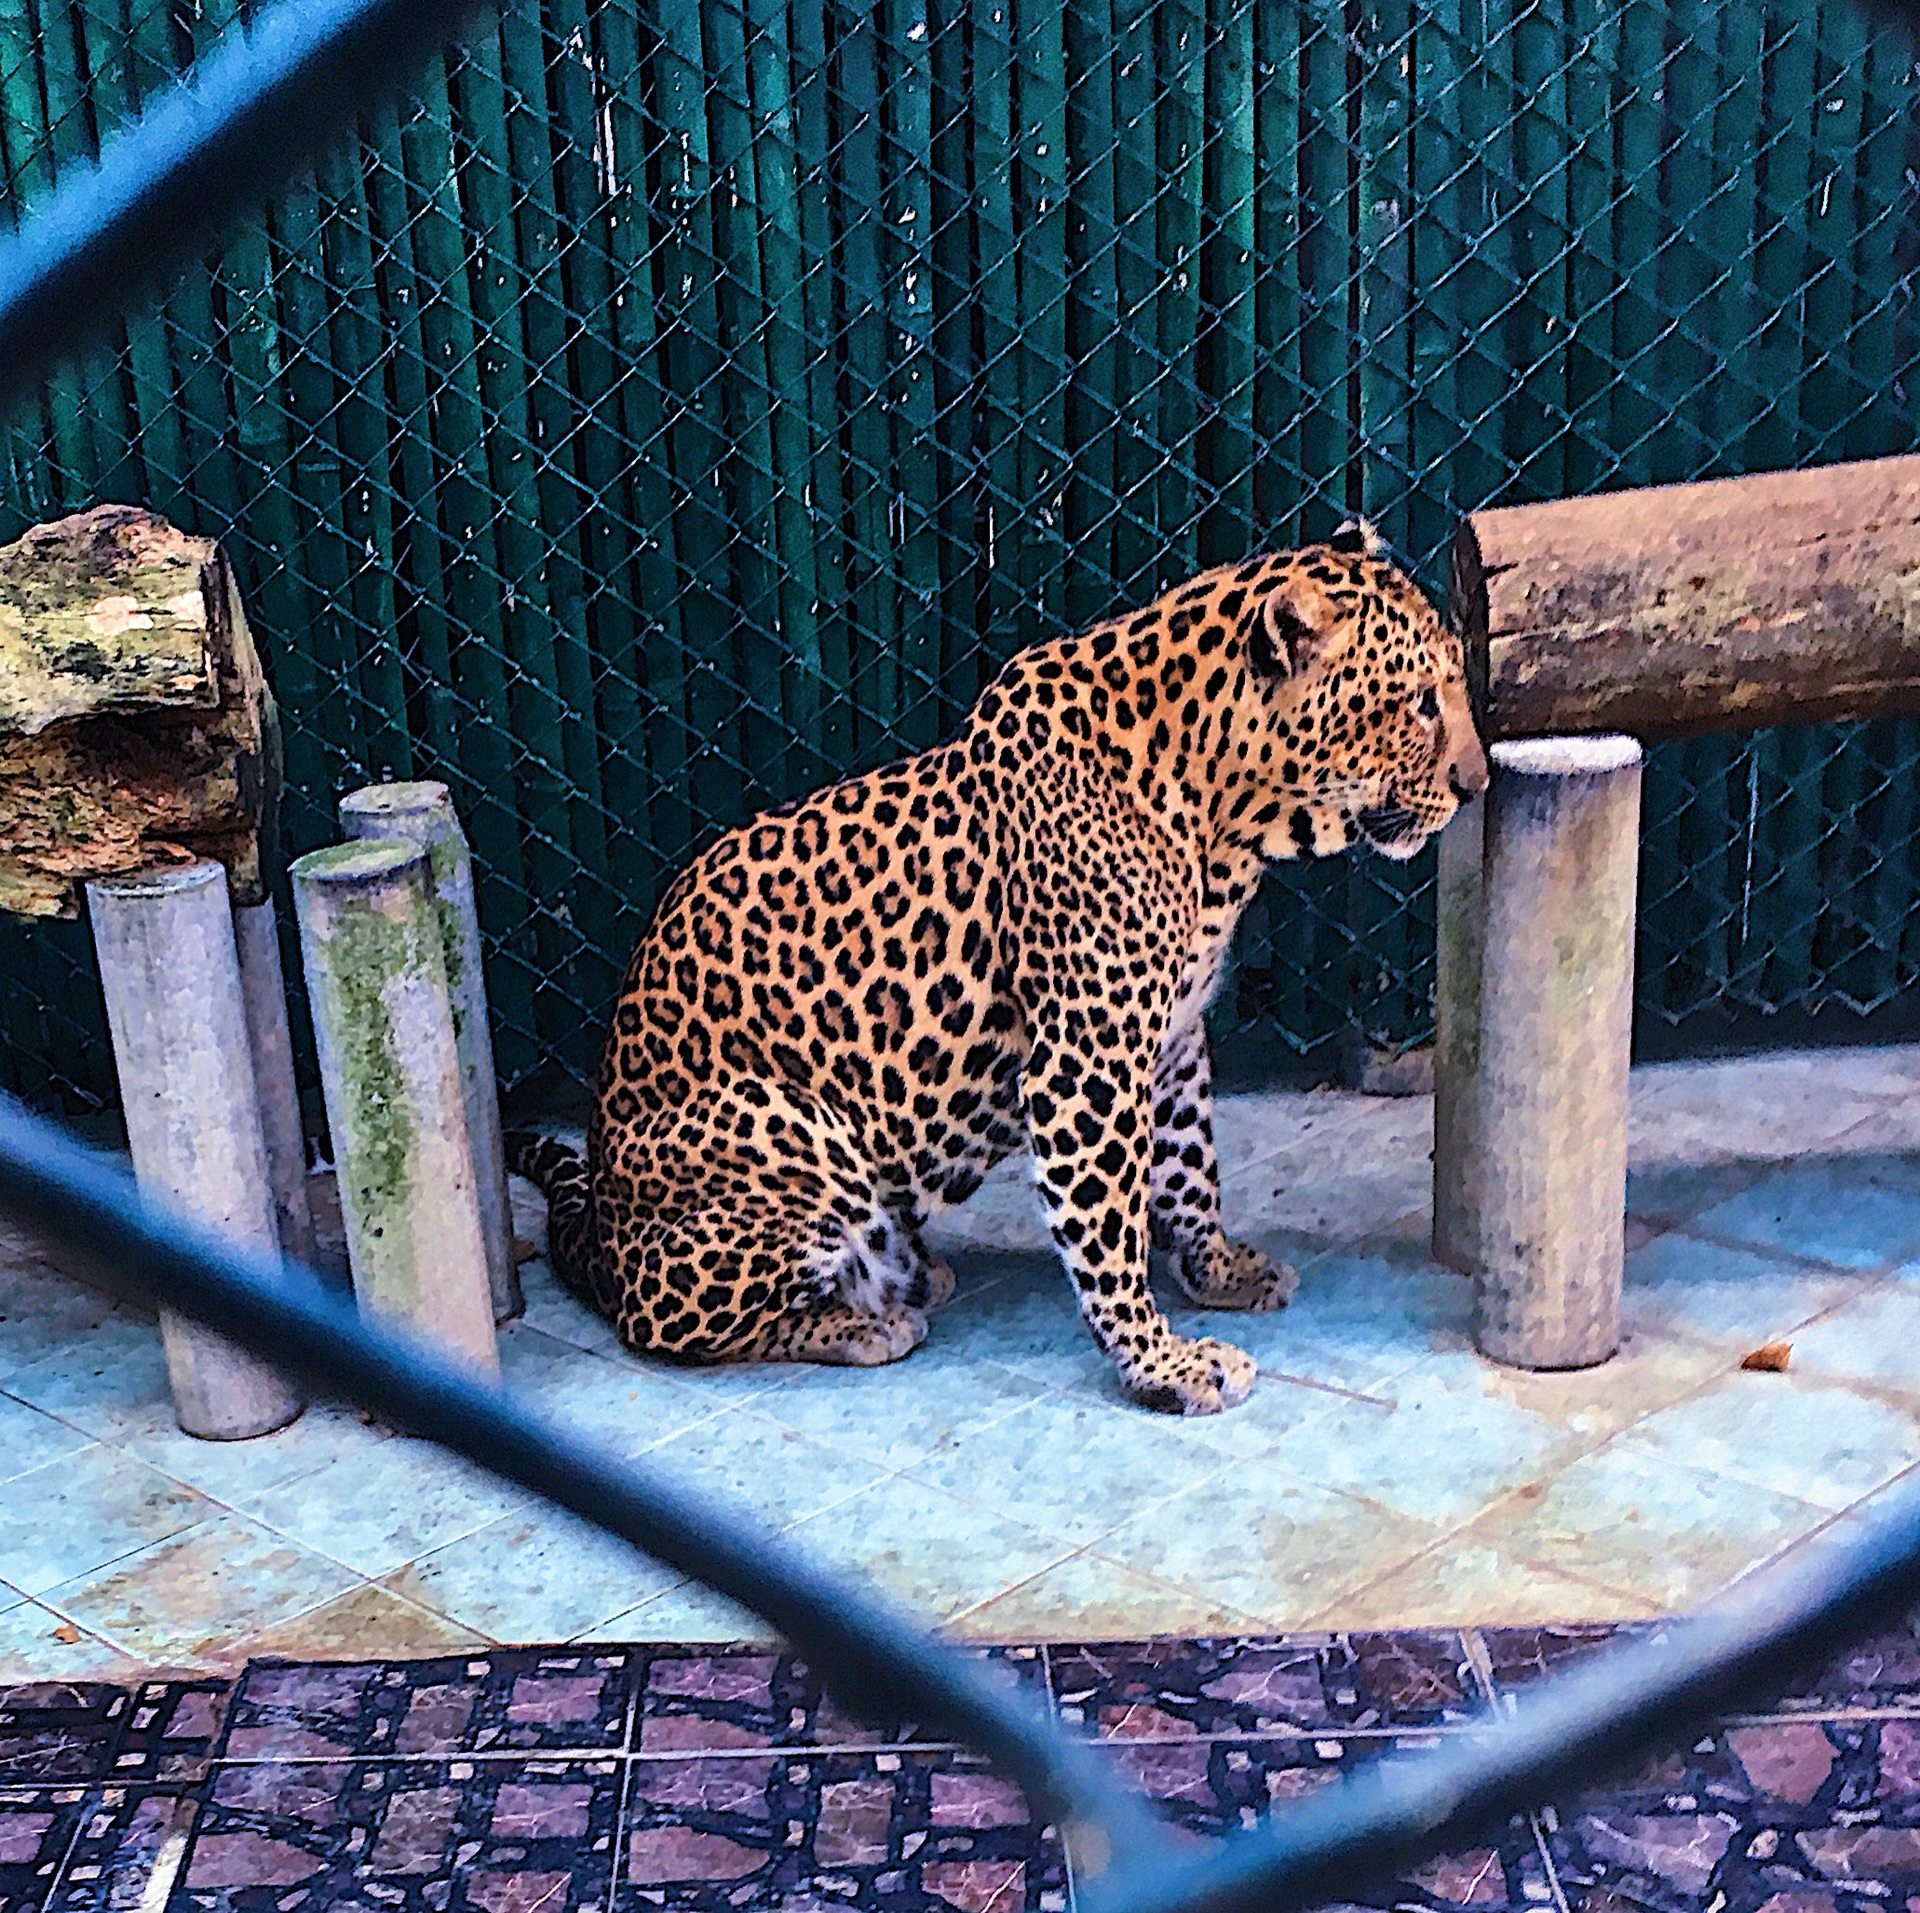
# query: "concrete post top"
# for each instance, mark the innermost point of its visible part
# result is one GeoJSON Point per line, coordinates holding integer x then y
{"type": "Point", "coordinates": [365, 860]}
{"type": "Point", "coordinates": [422, 810]}
{"type": "Point", "coordinates": [1599, 756]}
{"type": "Point", "coordinates": [168, 881]}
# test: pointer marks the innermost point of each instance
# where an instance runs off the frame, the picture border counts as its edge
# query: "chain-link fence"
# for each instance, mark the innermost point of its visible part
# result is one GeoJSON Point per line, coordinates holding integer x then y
{"type": "Point", "coordinates": [679, 404]}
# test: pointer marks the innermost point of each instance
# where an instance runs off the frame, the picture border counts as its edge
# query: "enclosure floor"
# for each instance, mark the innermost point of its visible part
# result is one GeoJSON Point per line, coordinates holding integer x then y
{"type": "Point", "coordinates": [620, 1779]}
{"type": "Point", "coordinates": [1382, 1475]}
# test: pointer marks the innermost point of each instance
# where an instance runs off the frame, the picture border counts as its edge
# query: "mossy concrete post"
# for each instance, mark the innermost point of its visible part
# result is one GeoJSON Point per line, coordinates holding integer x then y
{"type": "Point", "coordinates": [177, 1016]}
{"type": "Point", "coordinates": [1456, 1036]}
{"type": "Point", "coordinates": [424, 814]}
{"type": "Point", "coordinates": [1546, 1163]}
{"type": "Point", "coordinates": [390, 1072]}
{"type": "Point", "coordinates": [264, 990]}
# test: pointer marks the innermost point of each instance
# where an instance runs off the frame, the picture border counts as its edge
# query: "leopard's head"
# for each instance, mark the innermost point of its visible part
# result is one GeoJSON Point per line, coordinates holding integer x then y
{"type": "Point", "coordinates": [1357, 691]}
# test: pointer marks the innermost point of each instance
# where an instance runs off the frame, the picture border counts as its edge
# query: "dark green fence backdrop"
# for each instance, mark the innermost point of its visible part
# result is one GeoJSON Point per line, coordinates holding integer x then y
{"type": "Point", "coordinates": [682, 402]}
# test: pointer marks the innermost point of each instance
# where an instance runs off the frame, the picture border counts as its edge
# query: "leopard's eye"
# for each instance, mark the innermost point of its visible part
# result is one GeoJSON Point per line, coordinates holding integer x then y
{"type": "Point", "coordinates": [1429, 702]}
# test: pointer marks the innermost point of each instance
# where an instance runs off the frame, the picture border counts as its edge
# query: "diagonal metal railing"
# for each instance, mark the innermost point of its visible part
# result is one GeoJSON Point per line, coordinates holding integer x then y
{"type": "Point", "coordinates": [259, 103]}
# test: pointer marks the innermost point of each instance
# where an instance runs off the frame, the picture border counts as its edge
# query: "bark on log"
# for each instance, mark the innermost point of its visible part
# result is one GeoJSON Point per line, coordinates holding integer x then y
{"type": "Point", "coordinates": [136, 727]}
{"type": "Point", "coordinates": [1782, 598]}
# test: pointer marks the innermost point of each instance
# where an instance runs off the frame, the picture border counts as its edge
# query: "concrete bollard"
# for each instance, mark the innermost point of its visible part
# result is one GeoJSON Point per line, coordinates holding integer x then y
{"type": "Point", "coordinates": [390, 1072]}
{"type": "Point", "coordinates": [1456, 1036]}
{"type": "Point", "coordinates": [424, 814]}
{"type": "Point", "coordinates": [176, 1010]}
{"type": "Point", "coordinates": [263, 989]}
{"type": "Point", "coordinates": [1536, 1149]}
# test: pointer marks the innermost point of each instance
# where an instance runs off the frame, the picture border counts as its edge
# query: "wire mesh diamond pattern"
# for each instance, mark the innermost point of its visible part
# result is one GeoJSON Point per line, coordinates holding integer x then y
{"type": "Point", "coordinates": [681, 402]}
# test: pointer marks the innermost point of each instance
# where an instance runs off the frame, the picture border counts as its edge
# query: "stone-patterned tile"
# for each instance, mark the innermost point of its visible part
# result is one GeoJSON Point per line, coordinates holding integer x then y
{"type": "Point", "coordinates": [1518, 1655]}
{"type": "Point", "coordinates": [172, 1729]}
{"type": "Point", "coordinates": [1180, 1689]}
{"type": "Point", "coordinates": [1267, 1546]}
{"type": "Point", "coordinates": [1212, 1788]}
{"type": "Point", "coordinates": [1881, 1670]}
{"type": "Point", "coordinates": [59, 1730]}
{"type": "Point", "coordinates": [38, 1826]}
{"type": "Point", "coordinates": [1085, 1597]}
{"type": "Point", "coordinates": [128, 1849]}
{"type": "Point", "coordinates": [1780, 1813]}
{"type": "Point", "coordinates": [533, 1577]}
{"type": "Point", "coordinates": [196, 1596]}
{"type": "Point", "coordinates": [1856, 1212]}
{"type": "Point", "coordinates": [72, 1516]}
{"type": "Point", "coordinates": [1826, 1445]}
{"type": "Point", "coordinates": [1665, 1533]}
{"type": "Point", "coordinates": [907, 1831]}
{"type": "Point", "coordinates": [1467, 1581]}
{"type": "Point", "coordinates": [494, 1836]}
{"type": "Point", "coordinates": [718, 1699]}
{"type": "Point", "coordinates": [516, 1700]}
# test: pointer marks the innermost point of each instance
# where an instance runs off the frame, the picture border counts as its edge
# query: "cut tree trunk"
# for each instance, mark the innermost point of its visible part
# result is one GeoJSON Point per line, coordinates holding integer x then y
{"type": "Point", "coordinates": [1781, 598]}
{"type": "Point", "coordinates": [136, 727]}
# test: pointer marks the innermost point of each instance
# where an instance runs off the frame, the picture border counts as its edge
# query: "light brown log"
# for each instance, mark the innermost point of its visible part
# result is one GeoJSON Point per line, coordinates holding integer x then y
{"type": "Point", "coordinates": [1782, 598]}
{"type": "Point", "coordinates": [136, 727]}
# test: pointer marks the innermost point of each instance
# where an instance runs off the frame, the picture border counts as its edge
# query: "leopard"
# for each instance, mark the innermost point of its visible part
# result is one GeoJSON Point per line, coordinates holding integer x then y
{"type": "Point", "coordinates": [846, 1010]}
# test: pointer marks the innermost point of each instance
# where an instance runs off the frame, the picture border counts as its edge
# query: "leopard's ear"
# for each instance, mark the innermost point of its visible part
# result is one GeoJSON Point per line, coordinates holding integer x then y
{"type": "Point", "coordinates": [1291, 628]}
{"type": "Point", "coordinates": [1357, 539]}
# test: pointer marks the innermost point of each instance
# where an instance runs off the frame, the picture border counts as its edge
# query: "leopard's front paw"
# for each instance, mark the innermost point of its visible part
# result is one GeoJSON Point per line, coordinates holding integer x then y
{"type": "Point", "coordinates": [1235, 1275]}
{"type": "Point", "coordinates": [1193, 1378]}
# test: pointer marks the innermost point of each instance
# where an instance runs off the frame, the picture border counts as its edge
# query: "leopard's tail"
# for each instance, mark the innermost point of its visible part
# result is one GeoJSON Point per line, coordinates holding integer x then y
{"type": "Point", "coordinates": [559, 1172]}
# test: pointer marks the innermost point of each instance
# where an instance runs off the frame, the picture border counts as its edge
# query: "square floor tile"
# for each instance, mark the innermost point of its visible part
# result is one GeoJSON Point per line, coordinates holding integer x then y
{"type": "Point", "coordinates": [235, 1471]}
{"type": "Point", "coordinates": [1853, 1212]}
{"type": "Point", "coordinates": [1267, 1546]}
{"type": "Point", "coordinates": [38, 1826]}
{"type": "Point", "coordinates": [1086, 1595]}
{"type": "Point", "coordinates": [58, 1730]}
{"type": "Point", "coordinates": [1072, 1466]}
{"type": "Point", "coordinates": [29, 1439]}
{"type": "Point", "coordinates": [110, 1381]}
{"type": "Point", "coordinates": [1824, 1444]}
{"type": "Point", "coordinates": [1871, 1337]}
{"type": "Point", "coordinates": [383, 1506]}
{"type": "Point", "coordinates": [538, 1577]}
{"type": "Point", "coordinates": [759, 1470]}
{"type": "Point", "coordinates": [689, 1612]}
{"type": "Point", "coordinates": [911, 1830]}
{"type": "Point", "coordinates": [37, 1643]}
{"type": "Point", "coordinates": [504, 1836]}
{"type": "Point", "coordinates": [72, 1516]}
{"type": "Point", "coordinates": [531, 1701]}
{"type": "Point", "coordinates": [1313, 1683]}
{"type": "Point", "coordinates": [201, 1591]}
{"type": "Point", "coordinates": [1715, 1292]}
{"type": "Point", "coordinates": [933, 1551]}
{"type": "Point", "coordinates": [367, 1619]}
{"type": "Point", "coordinates": [617, 1401]}
{"type": "Point", "coordinates": [1668, 1534]}
{"type": "Point", "coordinates": [1466, 1582]}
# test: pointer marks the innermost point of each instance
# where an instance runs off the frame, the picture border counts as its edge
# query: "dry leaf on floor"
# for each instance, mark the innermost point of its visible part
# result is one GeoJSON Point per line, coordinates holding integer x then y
{"type": "Point", "coordinates": [523, 1250]}
{"type": "Point", "coordinates": [67, 1633]}
{"type": "Point", "coordinates": [1769, 1358]}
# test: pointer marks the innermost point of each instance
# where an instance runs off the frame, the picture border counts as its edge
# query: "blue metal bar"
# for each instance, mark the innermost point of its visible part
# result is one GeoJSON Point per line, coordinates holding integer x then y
{"type": "Point", "coordinates": [197, 160]}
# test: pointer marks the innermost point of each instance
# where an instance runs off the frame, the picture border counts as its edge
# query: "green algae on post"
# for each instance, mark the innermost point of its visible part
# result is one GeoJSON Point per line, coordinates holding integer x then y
{"type": "Point", "coordinates": [389, 1069]}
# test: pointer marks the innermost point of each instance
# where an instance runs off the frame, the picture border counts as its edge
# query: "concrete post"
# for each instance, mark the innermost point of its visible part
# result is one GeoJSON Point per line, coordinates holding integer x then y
{"type": "Point", "coordinates": [178, 1020]}
{"type": "Point", "coordinates": [264, 991]}
{"type": "Point", "coordinates": [424, 813]}
{"type": "Point", "coordinates": [390, 1071]}
{"type": "Point", "coordinates": [1545, 1162]}
{"type": "Point", "coordinates": [1456, 1038]}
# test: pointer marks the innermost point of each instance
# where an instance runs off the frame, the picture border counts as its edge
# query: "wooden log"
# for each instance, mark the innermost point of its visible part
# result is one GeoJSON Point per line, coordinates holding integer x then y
{"type": "Point", "coordinates": [1781, 598]}
{"type": "Point", "coordinates": [136, 727]}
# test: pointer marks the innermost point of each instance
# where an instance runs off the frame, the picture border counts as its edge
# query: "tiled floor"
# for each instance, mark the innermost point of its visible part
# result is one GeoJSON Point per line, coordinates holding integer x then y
{"type": "Point", "coordinates": [630, 1778]}
{"type": "Point", "coordinates": [1382, 1475]}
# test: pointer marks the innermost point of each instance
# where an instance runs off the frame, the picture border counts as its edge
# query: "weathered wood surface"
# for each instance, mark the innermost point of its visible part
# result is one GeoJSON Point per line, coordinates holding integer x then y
{"type": "Point", "coordinates": [136, 727]}
{"type": "Point", "coordinates": [1781, 598]}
